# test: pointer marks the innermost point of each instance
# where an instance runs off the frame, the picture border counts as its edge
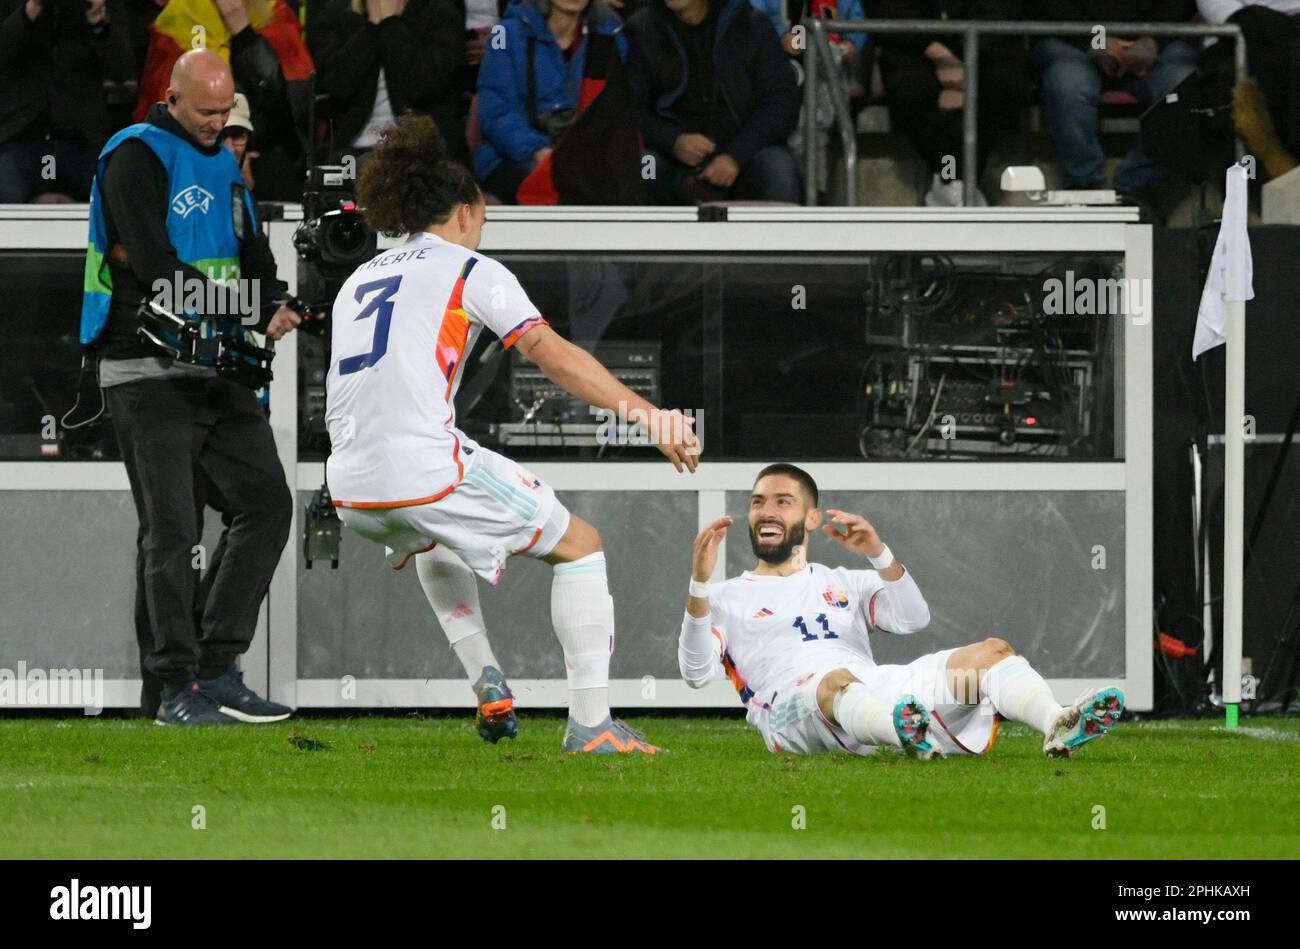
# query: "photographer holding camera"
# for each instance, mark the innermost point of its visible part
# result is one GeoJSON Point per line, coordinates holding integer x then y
{"type": "Point", "coordinates": [171, 223]}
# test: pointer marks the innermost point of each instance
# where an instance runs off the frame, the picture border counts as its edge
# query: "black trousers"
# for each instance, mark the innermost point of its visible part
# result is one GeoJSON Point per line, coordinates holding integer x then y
{"type": "Point", "coordinates": [187, 443]}
{"type": "Point", "coordinates": [912, 88]}
{"type": "Point", "coordinates": [152, 686]}
{"type": "Point", "coordinates": [771, 175]}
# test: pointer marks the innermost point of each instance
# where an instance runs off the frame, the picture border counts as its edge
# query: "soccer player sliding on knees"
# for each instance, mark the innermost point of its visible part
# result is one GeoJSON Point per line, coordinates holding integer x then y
{"type": "Point", "coordinates": [793, 638]}
{"type": "Point", "coordinates": [404, 476]}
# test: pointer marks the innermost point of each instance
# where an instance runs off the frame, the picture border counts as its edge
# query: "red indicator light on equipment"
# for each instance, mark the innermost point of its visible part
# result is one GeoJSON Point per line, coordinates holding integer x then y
{"type": "Point", "coordinates": [1031, 420]}
{"type": "Point", "coordinates": [349, 206]}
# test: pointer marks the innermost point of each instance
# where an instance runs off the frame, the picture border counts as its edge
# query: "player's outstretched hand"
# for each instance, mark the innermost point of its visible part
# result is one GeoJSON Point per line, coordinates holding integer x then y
{"type": "Point", "coordinates": [859, 536]}
{"type": "Point", "coordinates": [705, 556]}
{"type": "Point", "coordinates": [676, 438]}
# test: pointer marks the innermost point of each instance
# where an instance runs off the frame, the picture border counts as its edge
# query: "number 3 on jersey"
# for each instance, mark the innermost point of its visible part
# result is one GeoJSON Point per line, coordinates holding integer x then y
{"type": "Point", "coordinates": [809, 637]}
{"type": "Point", "coordinates": [382, 303]}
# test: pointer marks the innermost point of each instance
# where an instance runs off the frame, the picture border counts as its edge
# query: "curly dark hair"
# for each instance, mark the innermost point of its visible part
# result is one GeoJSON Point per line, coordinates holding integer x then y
{"type": "Point", "coordinates": [408, 182]}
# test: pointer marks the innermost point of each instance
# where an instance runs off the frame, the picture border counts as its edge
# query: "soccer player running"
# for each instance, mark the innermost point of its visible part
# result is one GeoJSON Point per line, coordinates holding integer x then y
{"type": "Point", "coordinates": [792, 637]}
{"type": "Point", "coordinates": [403, 475]}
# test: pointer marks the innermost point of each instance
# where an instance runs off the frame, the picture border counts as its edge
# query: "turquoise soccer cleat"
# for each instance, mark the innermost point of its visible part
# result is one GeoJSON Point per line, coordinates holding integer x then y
{"type": "Point", "coordinates": [912, 723]}
{"type": "Point", "coordinates": [1091, 717]}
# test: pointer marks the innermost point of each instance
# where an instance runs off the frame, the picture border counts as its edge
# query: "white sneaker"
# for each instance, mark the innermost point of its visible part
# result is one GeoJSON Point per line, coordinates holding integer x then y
{"type": "Point", "coordinates": [948, 194]}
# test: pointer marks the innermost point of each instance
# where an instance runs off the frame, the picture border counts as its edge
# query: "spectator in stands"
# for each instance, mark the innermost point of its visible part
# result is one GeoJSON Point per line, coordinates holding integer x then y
{"type": "Point", "coordinates": [262, 41]}
{"type": "Point", "coordinates": [235, 137]}
{"type": "Point", "coordinates": [1075, 70]}
{"type": "Point", "coordinates": [523, 115]}
{"type": "Point", "coordinates": [55, 57]}
{"type": "Point", "coordinates": [382, 58]}
{"type": "Point", "coordinates": [718, 99]}
{"type": "Point", "coordinates": [480, 17]}
{"type": "Point", "coordinates": [786, 14]}
{"type": "Point", "coordinates": [141, 14]}
{"type": "Point", "coordinates": [1266, 104]}
{"type": "Point", "coordinates": [925, 87]}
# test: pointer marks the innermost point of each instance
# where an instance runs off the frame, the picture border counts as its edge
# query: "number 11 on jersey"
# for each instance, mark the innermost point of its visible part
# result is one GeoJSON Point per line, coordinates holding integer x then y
{"type": "Point", "coordinates": [809, 637]}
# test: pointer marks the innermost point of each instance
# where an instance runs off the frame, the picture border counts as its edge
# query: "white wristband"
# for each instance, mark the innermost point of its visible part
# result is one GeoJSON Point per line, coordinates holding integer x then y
{"type": "Point", "coordinates": [699, 588]}
{"type": "Point", "coordinates": [884, 560]}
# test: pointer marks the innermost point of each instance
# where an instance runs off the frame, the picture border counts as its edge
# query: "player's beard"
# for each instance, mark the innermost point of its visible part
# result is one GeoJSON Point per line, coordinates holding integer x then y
{"type": "Point", "coordinates": [794, 537]}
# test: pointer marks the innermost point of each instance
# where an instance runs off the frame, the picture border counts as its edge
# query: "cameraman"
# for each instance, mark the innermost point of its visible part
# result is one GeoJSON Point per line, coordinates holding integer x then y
{"type": "Point", "coordinates": [169, 214]}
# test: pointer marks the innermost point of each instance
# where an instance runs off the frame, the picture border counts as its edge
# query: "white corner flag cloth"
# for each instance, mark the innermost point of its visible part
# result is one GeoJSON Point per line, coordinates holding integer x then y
{"type": "Point", "coordinates": [1230, 274]}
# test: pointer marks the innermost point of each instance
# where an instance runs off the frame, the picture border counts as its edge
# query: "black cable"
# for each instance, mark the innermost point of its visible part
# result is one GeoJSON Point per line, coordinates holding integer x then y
{"type": "Point", "coordinates": [81, 375]}
{"type": "Point", "coordinates": [1273, 478]}
{"type": "Point", "coordinates": [1207, 424]}
{"type": "Point", "coordinates": [1279, 641]}
{"type": "Point", "coordinates": [1170, 675]}
{"type": "Point", "coordinates": [1281, 638]}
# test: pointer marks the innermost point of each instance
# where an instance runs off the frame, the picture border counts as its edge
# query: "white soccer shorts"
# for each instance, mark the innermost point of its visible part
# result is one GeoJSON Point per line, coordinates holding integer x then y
{"type": "Point", "coordinates": [496, 511]}
{"type": "Point", "coordinates": [790, 721]}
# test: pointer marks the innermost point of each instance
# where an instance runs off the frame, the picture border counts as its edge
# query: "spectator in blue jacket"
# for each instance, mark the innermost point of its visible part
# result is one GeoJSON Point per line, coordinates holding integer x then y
{"type": "Point", "coordinates": [513, 142]}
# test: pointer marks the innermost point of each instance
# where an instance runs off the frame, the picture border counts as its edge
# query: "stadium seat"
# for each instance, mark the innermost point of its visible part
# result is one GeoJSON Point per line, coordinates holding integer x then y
{"type": "Point", "coordinates": [1119, 112]}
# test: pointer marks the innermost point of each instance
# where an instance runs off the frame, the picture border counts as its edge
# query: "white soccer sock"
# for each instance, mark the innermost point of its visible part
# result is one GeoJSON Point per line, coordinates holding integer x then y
{"type": "Point", "coordinates": [1020, 694]}
{"type": "Point", "coordinates": [452, 590]}
{"type": "Point", "coordinates": [583, 614]}
{"type": "Point", "coordinates": [866, 718]}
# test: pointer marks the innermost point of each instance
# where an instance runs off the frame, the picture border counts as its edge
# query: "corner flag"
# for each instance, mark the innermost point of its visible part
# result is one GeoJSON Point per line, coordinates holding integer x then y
{"type": "Point", "coordinates": [1222, 319]}
{"type": "Point", "coordinates": [1230, 274]}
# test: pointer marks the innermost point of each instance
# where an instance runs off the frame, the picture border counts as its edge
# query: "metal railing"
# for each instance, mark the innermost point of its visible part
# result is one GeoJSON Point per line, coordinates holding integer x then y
{"type": "Point", "coordinates": [820, 64]}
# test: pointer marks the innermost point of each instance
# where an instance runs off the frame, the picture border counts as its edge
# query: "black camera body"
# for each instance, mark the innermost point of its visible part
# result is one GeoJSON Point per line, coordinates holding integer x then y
{"type": "Point", "coordinates": [233, 356]}
{"type": "Point", "coordinates": [333, 236]}
{"type": "Point", "coordinates": [332, 241]}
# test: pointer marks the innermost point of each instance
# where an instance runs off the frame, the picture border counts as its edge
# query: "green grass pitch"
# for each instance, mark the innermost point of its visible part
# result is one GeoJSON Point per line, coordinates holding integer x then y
{"type": "Point", "coordinates": [428, 787]}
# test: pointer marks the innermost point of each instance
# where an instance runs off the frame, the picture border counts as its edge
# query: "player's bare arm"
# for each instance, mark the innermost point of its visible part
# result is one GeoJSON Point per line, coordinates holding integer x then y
{"type": "Point", "coordinates": [861, 538]}
{"type": "Point", "coordinates": [579, 373]}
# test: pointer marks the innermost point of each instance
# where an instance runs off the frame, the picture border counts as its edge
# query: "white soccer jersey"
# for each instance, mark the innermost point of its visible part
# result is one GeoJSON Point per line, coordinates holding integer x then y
{"type": "Point", "coordinates": [403, 325]}
{"type": "Point", "coordinates": [768, 629]}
